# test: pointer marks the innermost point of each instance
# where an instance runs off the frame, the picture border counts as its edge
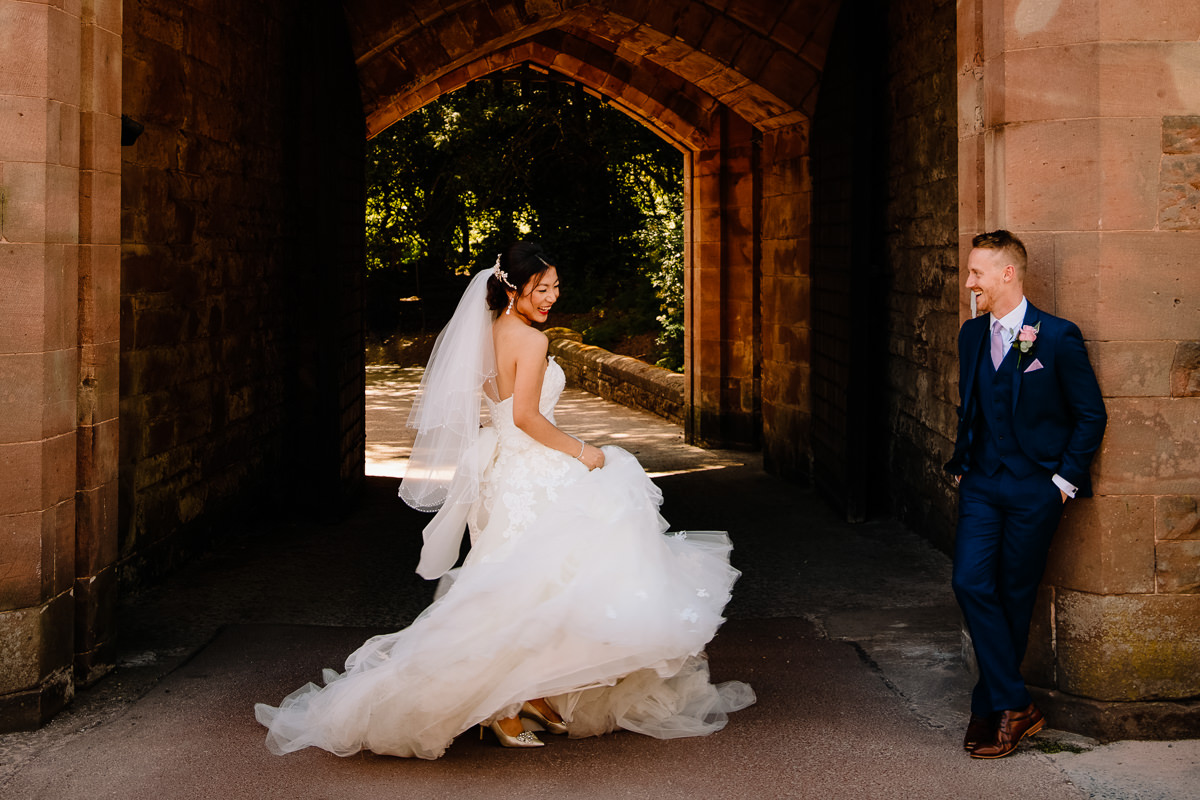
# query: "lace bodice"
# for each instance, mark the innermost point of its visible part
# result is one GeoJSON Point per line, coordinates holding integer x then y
{"type": "Point", "coordinates": [525, 475]}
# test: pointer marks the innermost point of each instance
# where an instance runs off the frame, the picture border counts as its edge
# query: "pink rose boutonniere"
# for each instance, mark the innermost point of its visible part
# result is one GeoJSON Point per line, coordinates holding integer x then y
{"type": "Point", "coordinates": [1026, 341]}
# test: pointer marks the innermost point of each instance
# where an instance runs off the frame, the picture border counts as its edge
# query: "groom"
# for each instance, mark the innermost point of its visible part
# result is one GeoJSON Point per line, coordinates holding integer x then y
{"type": "Point", "coordinates": [1029, 421]}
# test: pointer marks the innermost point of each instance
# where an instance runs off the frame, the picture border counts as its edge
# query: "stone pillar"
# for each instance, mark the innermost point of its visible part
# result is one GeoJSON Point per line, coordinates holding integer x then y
{"type": "Point", "coordinates": [1074, 132]}
{"type": "Point", "coordinates": [60, 97]}
{"type": "Point", "coordinates": [39, 368]}
{"type": "Point", "coordinates": [722, 316]}
{"type": "Point", "coordinates": [99, 332]}
{"type": "Point", "coordinates": [786, 302]}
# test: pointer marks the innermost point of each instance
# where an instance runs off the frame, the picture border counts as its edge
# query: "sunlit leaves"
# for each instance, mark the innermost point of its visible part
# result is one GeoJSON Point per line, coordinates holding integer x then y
{"type": "Point", "coordinates": [455, 181]}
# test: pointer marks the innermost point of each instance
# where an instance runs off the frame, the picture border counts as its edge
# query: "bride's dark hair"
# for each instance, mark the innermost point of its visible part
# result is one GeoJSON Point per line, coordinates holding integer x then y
{"type": "Point", "coordinates": [521, 262]}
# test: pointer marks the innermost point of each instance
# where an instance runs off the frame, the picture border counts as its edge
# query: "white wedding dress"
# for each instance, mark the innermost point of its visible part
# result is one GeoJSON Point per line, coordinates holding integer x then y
{"type": "Point", "coordinates": [571, 591]}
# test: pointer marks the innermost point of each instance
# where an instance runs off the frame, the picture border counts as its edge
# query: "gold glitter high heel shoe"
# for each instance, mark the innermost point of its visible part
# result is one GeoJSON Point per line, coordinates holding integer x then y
{"type": "Point", "coordinates": [522, 739]}
{"type": "Point", "coordinates": [530, 711]}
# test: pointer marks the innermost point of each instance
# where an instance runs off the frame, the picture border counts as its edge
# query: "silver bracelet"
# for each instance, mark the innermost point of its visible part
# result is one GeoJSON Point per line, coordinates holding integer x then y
{"type": "Point", "coordinates": [582, 447]}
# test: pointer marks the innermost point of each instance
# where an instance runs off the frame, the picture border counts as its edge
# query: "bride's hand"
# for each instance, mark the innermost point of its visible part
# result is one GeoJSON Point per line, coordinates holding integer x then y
{"type": "Point", "coordinates": [592, 457]}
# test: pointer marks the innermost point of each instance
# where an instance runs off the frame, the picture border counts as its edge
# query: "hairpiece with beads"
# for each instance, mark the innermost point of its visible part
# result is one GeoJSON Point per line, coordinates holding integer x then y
{"type": "Point", "coordinates": [501, 274]}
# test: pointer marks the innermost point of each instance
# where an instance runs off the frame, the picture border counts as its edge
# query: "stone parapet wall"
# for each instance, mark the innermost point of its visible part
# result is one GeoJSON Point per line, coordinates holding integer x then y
{"type": "Point", "coordinates": [622, 379]}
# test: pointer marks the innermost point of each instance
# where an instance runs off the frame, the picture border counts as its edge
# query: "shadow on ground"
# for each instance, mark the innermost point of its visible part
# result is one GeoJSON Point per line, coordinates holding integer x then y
{"type": "Point", "coordinates": [849, 635]}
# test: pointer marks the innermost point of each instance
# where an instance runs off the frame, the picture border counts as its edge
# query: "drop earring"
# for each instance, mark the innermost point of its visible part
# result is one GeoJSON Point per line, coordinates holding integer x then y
{"type": "Point", "coordinates": [510, 305]}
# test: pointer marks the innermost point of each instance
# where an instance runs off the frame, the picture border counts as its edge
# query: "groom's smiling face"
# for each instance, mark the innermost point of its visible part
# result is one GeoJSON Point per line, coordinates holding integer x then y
{"type": "Point", "coordinates": [991, 280]}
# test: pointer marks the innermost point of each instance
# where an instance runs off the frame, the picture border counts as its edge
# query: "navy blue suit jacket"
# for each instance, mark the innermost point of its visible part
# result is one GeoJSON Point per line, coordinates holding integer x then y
{"type": "Point", "coordinates": [1058, 412]}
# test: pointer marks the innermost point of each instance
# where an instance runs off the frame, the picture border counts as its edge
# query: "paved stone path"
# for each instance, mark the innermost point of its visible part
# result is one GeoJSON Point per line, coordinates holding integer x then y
{"type": "Point", "coordinates": [848, 634]}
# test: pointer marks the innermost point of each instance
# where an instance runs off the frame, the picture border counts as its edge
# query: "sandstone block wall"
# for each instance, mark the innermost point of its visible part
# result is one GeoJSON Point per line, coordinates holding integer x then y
{"type": "Point", "coordinates": [722, 287]}
{"type": "Point", "coordinates": [202, 227]}
{"type": "Point", "coordinates": [759, 59]}
{"type": "Point", "coordinates": [921, 247]}
{"type": "Point", "coordinates": [785, 301]}
{"type": "Point", "coordinates": [97, 430]}
{"type": "Point", "coordinates": [241, 357]}
{"type": "Point", "coordinates": [1078, 131]}
{"type": "Point", "coordinates": [59, 161]}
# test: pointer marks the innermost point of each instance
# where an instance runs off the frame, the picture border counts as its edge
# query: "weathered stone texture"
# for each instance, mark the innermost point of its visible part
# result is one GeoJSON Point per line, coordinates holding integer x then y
{"type": "Point", "coordinates": [1149, 447]}
{"type": "Point", "coordinates": [1178, 517]}
{"type": "Point", "coordinates": [1038, 668]}
{"type": "Point", "coordinates": [1179, 194]}
{"type": "Point", "coordinates": [55, 80]}
{"type": "Point", "coordinates": [95, 624]}
{"type": "Point", "coordinates": [35, 662]}
{"type": "Point", "coordinates": [922, 258]}
{"type": "Point", "coordinates": [1179, 189]}
{"type": "Point", "coordinates": [1128, 647]}
{"type": "Point", "coordinates": [769, 81]}
{"type": "Point", "coordinates": [1181, 135]}
{"type": "Point", "coordinates": [1117, 721]}
{"type": "Point", "coordinates": [1061, 158]}
{"type": "Point", "coordinates": [1130, 285]}
{"type": "Point", "coordinates": [1185, 370]}
{"type": "Point", "coordinates": [721, 286]}
{"type": "Point", "coordinates": [231, 338]}
{"type": "Point", "coordinates": [1178, 568]}
{"type": "Point", "coordinates": [1105, 546]}
{"type": "Point", "coordinates": [1132, 369]}
{"type": "Point", "coordinates": [28, 558]}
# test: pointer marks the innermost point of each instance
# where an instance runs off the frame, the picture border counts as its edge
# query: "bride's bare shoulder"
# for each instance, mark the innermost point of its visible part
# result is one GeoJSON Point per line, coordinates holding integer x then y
{"type": "Point", "coordinates": [522, 339]}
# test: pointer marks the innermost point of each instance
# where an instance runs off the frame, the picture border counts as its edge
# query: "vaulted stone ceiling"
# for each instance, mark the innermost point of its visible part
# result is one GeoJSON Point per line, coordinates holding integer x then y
{"type": "Point", "coordinates": [669, 62]}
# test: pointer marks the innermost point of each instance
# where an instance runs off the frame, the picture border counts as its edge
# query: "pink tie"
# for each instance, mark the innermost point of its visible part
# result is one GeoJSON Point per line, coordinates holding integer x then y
{"type": "Point", "coordinates": [997, 344]}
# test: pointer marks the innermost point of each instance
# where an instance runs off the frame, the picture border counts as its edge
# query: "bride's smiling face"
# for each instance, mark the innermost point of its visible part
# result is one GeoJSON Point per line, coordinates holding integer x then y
{"type": "Point", "coordinates": [537, 297]}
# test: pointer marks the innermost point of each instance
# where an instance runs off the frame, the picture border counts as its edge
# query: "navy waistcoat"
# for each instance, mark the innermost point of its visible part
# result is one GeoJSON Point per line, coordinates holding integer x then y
{"type": "Point", "coordinates": [994, 444]}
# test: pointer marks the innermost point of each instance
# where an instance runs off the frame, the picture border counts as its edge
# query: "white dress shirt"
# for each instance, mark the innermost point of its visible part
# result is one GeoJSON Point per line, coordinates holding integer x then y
{"type": "Point", "coordinates": [1011, 322]}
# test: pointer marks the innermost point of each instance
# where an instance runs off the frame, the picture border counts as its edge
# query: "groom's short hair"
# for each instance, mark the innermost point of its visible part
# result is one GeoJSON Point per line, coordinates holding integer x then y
{"type": "Point", "coordinates": [1007, 244]}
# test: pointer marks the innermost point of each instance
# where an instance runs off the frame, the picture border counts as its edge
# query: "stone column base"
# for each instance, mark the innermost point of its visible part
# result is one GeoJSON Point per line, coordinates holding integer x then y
{"type": "Point", "coordinates": [1109, 721]}
{"type": "Point", "coordinates": [30, 709]}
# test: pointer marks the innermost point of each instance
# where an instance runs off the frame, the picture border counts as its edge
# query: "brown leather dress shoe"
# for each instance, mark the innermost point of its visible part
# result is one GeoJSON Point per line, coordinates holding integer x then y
{"type": "Point", "coordinates": [1015, 725]}
{"type": "Point", "coordinates": [980, 730]}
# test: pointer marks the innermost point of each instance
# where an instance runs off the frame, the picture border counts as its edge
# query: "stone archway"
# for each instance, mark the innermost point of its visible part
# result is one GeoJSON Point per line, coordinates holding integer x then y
{"type": "Point", "coordinates": [211, 270]}
{"type": "Point", "coordinates": [735, 91]}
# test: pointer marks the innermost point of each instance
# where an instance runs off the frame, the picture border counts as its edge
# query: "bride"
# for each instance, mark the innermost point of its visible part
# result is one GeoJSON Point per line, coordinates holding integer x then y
{"type": "Point", "coordinates": [572, 611]}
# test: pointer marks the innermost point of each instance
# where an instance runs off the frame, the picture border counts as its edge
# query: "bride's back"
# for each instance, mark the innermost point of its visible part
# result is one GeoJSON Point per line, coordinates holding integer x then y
{"type": "Point", "coordinates": [518, 348]}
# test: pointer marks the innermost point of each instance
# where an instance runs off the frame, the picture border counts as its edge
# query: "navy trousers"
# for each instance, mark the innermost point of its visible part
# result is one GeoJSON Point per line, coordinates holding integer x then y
{"type": "Point", "coordinates": [1005, 525]}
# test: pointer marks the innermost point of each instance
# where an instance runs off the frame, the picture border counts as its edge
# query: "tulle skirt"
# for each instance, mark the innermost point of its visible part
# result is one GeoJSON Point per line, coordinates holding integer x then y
{"type": "Point", "coordinates": [592, 606]}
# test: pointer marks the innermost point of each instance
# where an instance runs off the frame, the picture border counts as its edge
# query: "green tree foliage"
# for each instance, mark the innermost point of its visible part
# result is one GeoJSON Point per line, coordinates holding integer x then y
{"type": "Point", "coordinates": [662, 240]}
{"type": "Point", "coordinates": [510, 158]}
